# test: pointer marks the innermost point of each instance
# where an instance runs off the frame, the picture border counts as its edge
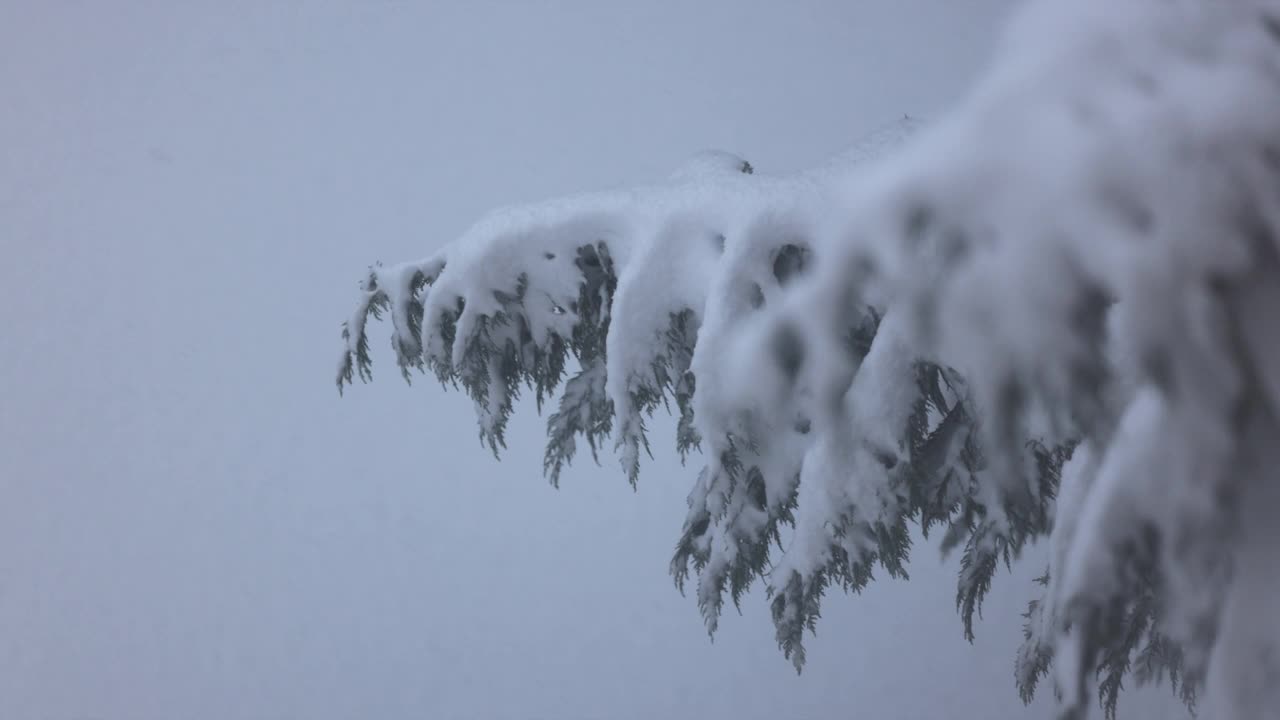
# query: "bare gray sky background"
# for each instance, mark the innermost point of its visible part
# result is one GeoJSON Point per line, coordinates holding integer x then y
{"type": "Point", "coordinates": [194, 526]}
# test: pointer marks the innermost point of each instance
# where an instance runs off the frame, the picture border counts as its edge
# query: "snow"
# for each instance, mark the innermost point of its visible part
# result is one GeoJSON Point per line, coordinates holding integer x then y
{"type": "Point", "coordinates": [1087, 239]}
{"type": "Point", "coordinates": [1132, 171]}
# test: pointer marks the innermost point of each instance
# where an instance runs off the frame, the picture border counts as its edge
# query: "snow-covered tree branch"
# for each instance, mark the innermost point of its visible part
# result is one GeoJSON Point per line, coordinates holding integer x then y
{"type": "Point", "coordinates": [1046, 315]}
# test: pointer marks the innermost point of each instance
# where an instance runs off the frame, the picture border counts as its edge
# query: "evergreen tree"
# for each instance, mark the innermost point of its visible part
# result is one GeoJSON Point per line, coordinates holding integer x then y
{"type": "Point", "coordinates": [1047, 316]}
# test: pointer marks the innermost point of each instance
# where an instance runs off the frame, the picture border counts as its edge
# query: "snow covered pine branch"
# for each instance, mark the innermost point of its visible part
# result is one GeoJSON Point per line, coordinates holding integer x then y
{"type": "Point", "coordinates": [1049, 315]}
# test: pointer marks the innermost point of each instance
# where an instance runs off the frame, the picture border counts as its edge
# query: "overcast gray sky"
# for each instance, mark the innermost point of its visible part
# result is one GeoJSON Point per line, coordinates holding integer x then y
{"type": "Point", "coordinates": [194, 526]}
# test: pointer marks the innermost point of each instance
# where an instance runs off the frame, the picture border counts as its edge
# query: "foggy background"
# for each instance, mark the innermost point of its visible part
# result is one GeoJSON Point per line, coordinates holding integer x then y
{"type": "Point", "coordinates": [194, 526]}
